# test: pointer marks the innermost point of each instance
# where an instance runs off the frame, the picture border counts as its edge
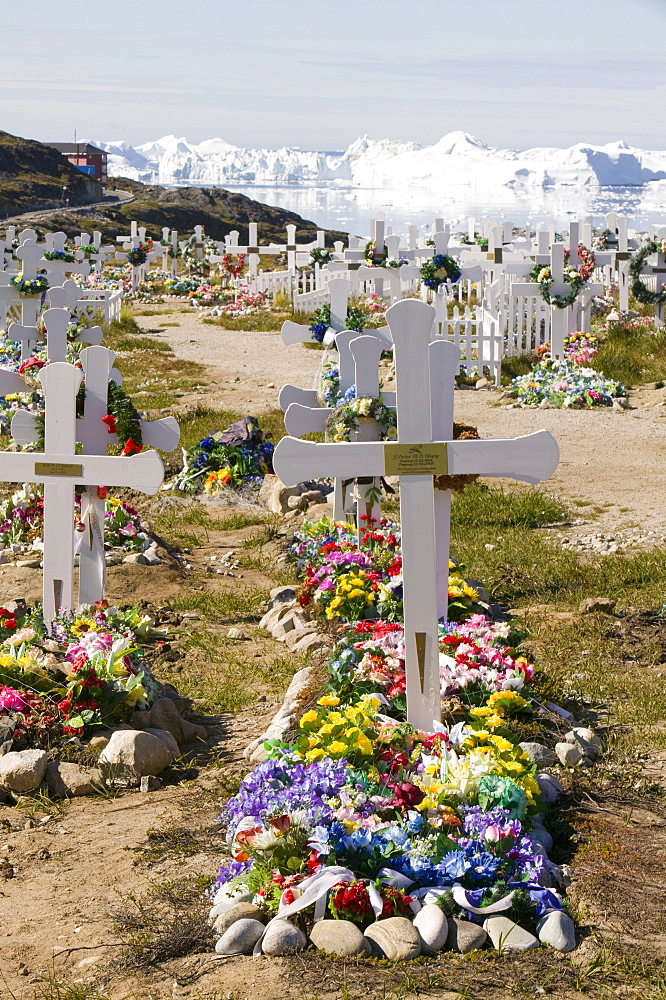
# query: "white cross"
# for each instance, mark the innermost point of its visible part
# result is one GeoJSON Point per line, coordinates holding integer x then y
{"type": "Point", "coordinates": [56, 270]}
{"type": "Point", "coordinates": [563, 321]}
{"type": "Point", "coordinates": [59, 468]}
{"type": "Point", "coordinates": [529, 459]}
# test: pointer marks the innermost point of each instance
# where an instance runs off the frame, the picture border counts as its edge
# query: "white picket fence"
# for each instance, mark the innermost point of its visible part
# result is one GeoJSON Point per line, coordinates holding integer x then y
{"type": "Point", "coordinates": [107, 300]}
{"type": "Point", "coordinates": [478, 336]}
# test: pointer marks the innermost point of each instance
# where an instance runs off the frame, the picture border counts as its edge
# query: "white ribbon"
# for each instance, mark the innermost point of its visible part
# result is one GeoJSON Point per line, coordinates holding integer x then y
{"type": "Point", "coordinates": [460, 896]}
{"type": "Point", "coordinates": [311, 890]}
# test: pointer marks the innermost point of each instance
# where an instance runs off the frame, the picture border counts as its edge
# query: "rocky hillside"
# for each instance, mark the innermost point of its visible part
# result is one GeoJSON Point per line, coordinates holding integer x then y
{"type": "Point", "coordinates": [32, 177]}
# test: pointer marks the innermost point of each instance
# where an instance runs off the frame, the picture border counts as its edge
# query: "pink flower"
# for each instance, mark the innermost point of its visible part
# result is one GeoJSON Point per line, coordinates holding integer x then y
{"type": "Point", "coordinates": [12, 700]}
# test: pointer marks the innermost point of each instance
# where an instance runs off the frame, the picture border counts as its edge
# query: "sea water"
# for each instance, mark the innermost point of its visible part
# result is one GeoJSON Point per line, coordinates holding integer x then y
{"type": "Point", "coordinates": [350, 209]}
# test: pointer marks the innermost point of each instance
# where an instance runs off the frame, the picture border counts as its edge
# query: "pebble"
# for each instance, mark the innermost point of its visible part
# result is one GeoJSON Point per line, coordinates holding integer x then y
{"type": "Point", "coordinates": [395, 938]}
{"type": "Point", "coordinates": [236, 633]}
{"type": "Point", "coordinates": [557, 929]}
{"type": "Point", "coordinates": [586, 739]}
{"type": "Point", "coordinates": [283, 937]}
{"type": "Point", "coordinates": [507, 935]}
{"type": "Point", "coordinates": [433, 928]}
{"type": "Point", "coordinates": [540, 837]}
{"type": "Point", "coordinates": [464, 936]}
{"type": "Point", "coordinates": [593, 604]}
{"type": "Point", "coordinates": [338, 937]}
{"type": "Point", "coordinates": [240, 938]}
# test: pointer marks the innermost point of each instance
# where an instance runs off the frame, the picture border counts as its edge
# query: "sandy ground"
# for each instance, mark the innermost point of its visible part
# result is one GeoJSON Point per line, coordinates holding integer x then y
{"type": "Point", "coordinates": [610, 460]}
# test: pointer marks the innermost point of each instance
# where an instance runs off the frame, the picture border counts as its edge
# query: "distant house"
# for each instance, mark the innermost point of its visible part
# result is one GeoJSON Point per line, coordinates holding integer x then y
{"type": "Point", "coordinates": [89, 159]}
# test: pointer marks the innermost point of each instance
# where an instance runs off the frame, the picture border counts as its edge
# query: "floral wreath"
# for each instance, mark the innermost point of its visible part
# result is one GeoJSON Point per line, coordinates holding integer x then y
{"type": "Point", "coordinates": [321, 256]}
{"type": "Point", "coordinates": [29, 286]}
{"type": "Point", "coordinates": [88, 249]}
{"type": "Point", "coordinates": [321, 320]}
{"type": "Point", "coordinates": [66, 255]}
{"type": "Point", "coordinates": [375, 259]}
{"type": "Point", "coordinates": [438, 270]}
{"type": "Point", "coordinates": [171, 250]}
{"type": "Point", "coordinates": [229, 267]}
{"type": "Point", "coordinates": [543, 276]}
{"type": "Point", "coordinates": [137, 256]}
{"type": "Point", "coordinates": [639, 290]}
{"type": "Point", "coordinates": [345, 419]}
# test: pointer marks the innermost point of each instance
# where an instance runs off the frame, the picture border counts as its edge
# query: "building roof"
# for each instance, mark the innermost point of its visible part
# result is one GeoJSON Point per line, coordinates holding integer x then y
{"type": "Point", "coordinates": [75, 148]}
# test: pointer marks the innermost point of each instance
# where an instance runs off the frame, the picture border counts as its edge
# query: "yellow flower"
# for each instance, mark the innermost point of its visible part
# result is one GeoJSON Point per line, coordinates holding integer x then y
{"type": "Point", "coordinates": [329, 700]}
{"type": "Point", "coordinates": [356, 593]}
{"type": "Point", "coordinates": [337, 747]}
{"type": "Point", "coordinates": [82, 625]}
{"type": "Point", "coordinates": [136, 694]}
{"type": "Point", "coordinates": [480, 712]}
{"type": "Point", "coordinates": [315, 754]}
{"type": "Point", "coordinates": [364, 745]}
{"type": "Point", "coordinates": [310, 716]}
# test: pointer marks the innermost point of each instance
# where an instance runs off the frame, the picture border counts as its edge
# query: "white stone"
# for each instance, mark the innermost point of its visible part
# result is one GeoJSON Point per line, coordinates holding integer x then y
{"type": "Point", "coordinates": [569, 754]}
{"type": "Point", "coordinates": [557, 930]}
{"type": "Point", "coordinates": [540, 755]}
{"type": "Point", "coordinates": [240, 938]}
{"type": "Point", "coordinates": [23, 770]}
{"type": "Point", "coordinates": [226, 897]}
{"type": "Point", "coordinates": [283, 937]}
{"type": "Point", "coordinates": [395, 938]}
{"type": "Point", "coordinates": [169, 741]}
{"type": "Point", "coordinates": [507, 935]}
{"type": "Point", "coordinates": [433, 928]}
{"type": "Point", "coordinates": [549, 786]}
{"type": "Point", "coordinates": [132, 753]}
{"type": "Point", "coordinates": [338, 937]}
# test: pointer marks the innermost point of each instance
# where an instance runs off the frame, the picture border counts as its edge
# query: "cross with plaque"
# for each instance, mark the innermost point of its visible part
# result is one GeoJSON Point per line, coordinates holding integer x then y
{"type": "Point", "coordinates": [60, 468]}
{"type": "Point", "coordinates": [417, 456]}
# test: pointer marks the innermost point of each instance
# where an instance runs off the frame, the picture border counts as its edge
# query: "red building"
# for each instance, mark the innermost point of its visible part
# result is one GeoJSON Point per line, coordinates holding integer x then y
{"type": "Point", "coordinates": [89, 159]}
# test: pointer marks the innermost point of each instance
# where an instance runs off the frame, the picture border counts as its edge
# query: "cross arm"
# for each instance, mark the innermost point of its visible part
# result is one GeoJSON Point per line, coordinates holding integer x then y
{"type": "Point", "coordinates": [163, 434]}
{"type": "Point", "coordinates": [143, 472]}
{"type": "Point", "coordinates": [530, 458]}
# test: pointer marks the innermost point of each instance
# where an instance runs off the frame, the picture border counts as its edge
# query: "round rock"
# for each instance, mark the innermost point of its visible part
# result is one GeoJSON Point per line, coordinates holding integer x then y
{"type": "Point", "coordinates": [549, 787]}
{"type": "Point", "coordinates": [540, 755]}
{"type": "Point", "coordinates": [240, 938]}
{"type": "Point", "coordinates": [569, 754]}
{"type": "Point", "coordinates": [338, 937]}
{"type": "Point", "coordinates": [557, 929]}
{"type": "Point", "coordinates": [433, 928]}
{"type": "Point", "coordinates": [464, 935]}
{"type": "Point", "coordinates": [241, 911]}
{"type": "Point", "coordinates": [395, 938]}
{"type": "Point", "coordinates": [508, 936]}
{"type": "Point", "coordinates": [283, 937]}
{"type": "Point", "coordinates": [23, 770]}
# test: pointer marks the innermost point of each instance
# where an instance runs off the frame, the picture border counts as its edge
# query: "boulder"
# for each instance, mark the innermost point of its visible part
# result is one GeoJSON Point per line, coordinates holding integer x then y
{"type": "Point", "coordinates": [395, 938]}
{"type": "Point", "coordinates": [432, 927]}
{"type": "Point", "coordinates": [274, 494]}
{"type": "Point", "coordinates": [297, 503]}
{"type": "Point", "coordinates": [541, 838]}
{"type": "Point", "coordinates": [132, 753]}
{"type": "Point", "coordinates": [226, 898]}
{"type": "Point", "coordinates": [168, 741]}
{"type": "Point", "coordinates": [240, 911]}
{"type": "Point", "coordinates": [23, 770]}
{"type": "Point", "coordinates": [164, 715]}
{"type": "Point", "coordinates": [65, 779]}
{"type": "Point", "coordinates": [464, 936]}
{"type": "Point", "coordinates": [557, 930]}
{"type": "Point", "coordinates": [297, 635]}
{"type": "Point", "coordinates": [586, 739]}
{"type": "Point", "coordinates": [283, 937]}
{"type": "Point", "coordinates": [338, 937]}
{"type": "Point", "coordinates": [149, 783]}
{"type": "Point", "coordinates": [136, 557]}
{"type": "Point", "coordinates": [240, 938]}
{"type": "Point", "coordinates": [192, 731]}
{"type": "Point", "coordinates": [507, 935]}
{"type": "Point", "coordinates": [312, 641]}
{"type": "Point", "coordinates": [99, 742]}
{"type": "Point", "coordinates": [540, 755]}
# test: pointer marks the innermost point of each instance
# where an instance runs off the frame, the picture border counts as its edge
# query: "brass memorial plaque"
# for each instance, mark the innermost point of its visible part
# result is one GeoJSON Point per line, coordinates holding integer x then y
{"type": "Point", "coordinates": [416, 459]}
{"type": "Point", "coordinates": [57, 469]}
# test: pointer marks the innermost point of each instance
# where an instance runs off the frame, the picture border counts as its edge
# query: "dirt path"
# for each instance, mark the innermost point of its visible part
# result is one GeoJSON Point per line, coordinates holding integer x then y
{"type": "Point", "coordinates": [244, 368]}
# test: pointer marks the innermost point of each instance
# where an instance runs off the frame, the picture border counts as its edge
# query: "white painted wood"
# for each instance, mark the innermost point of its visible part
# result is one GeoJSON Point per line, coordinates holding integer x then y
{"type": "Point", "coordinates": [529, 459]}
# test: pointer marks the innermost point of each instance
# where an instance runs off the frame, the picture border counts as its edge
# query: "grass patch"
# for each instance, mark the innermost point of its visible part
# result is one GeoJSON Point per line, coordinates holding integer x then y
{"type": "Point", "coordinates": [263, 321]}
{"type": "Point", "coordinates": [632, 356]}
{"type": "Point", "coordinates": [60, 989]}
{"type": "Point", "coordinates": [517, 365]}
{"type": "Point", "coordinates": [480, 506]}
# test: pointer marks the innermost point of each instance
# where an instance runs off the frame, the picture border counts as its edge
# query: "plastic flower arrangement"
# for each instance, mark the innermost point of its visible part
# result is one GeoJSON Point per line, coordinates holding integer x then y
{"type": "Point", "coordinates": [344, 422]}
{"type": "Point", "coordinates": [85, 670]}
{"type": "Point", "coordinates": [438, 270]}
{"type": "Point", "coordinates": [579, 348]}
{"type": "Point", "coordinates": [27, 287]}
{"type": "Point", "coordinates": [575, 278]}
{"type": "Point", "coordinates": [241, 455]}
{"type": "Point", "coordinates": [375, 258]}
{"type": "Point", "coordinates": [565, 384]}
{"type": "Point", "coordinates": [320, 321]}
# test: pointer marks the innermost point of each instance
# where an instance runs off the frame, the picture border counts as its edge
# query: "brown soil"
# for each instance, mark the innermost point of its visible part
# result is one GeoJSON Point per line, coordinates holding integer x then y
{"type": "Point", "coordinates": [68, 877]}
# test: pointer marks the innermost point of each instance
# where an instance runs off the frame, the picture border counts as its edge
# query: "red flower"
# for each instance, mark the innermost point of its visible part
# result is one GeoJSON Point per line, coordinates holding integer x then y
{"type": "Point", "coordinates": [10, 623]}
{"type": "Point", "coordinates": [110, 422]}
{"type": "Point", "coordinates": [131, 447]}
{"type": "Point", "coordinates": [30, 363]}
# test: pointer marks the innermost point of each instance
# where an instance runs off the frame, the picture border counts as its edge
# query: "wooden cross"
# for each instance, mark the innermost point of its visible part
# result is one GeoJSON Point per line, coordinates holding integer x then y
{"type": "Point", "coordinates": [563, 321]}
{"type": "Point", "coordinates": [416, 458]}
{"type": "Point", "coordinates": [60, 468]}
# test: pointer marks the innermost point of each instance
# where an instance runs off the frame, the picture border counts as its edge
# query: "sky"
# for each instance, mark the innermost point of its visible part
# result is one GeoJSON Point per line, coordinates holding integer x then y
{"type": "Point", "coordinates": [319, 73]}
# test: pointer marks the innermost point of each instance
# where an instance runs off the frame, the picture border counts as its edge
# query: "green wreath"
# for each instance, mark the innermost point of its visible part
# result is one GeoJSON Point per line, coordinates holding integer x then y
{"type": "Point", "coordinates": [576, 280]}
{"type": "Point", "coordinates": [122, 418]}
{"type": "Point", "coordinates": [88, 249]}
{"type": "Point", "coordinates": [345, 419]}
{"type": "Point", "coordinates": [375, 259]}
{"type": "Point", "coordinates": [438, 270]}
{"type": "Point", "coordinates": [65, 255]}
{"type": "Point", "coordinates": [29, 286]}
{"type": "Point", "coordinates": [640, 291]}
{"type": "Point", "coordinates": [321, 256]}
